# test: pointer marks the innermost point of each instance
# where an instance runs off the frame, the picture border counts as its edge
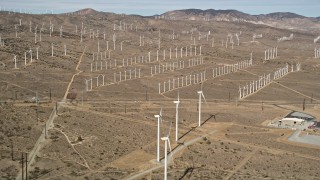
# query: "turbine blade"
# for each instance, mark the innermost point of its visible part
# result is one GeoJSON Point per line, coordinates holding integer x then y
{"type": "Point", "coordinates": [160, 114]}
{"type": "Point", "coordinates": [169, 144]}
{"type": "Point", "coordinates": [204, 98]}
{"type": "Point", "coordinates": [169, 129]}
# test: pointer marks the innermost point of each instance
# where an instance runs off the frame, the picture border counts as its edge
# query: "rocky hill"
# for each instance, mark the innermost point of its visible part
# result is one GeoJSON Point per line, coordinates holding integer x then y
{"type": "Point", "coordinates": [285, 20]}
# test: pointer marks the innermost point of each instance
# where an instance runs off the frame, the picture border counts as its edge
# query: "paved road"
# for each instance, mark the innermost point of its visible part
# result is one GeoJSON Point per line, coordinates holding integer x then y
{"type": "Point", "coordinates": [307, 139]}
{"type": "Point", "coordinates": [176, 150]}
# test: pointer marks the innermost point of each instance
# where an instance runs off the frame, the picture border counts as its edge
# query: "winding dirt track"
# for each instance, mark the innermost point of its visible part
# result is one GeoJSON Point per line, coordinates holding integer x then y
{"type": "Point", "coordinates": [76, 74]}
{"type": "Point", "coordinates": [241, 164]}
{"type": "Point", "coordinates": [49, 124]}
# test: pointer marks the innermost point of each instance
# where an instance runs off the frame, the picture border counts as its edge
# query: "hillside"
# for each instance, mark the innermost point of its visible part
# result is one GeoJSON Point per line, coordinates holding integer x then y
{"type": "Point", "coordinates": [98, 95]}
{"type": "Point", "coordinates": [284, 20]}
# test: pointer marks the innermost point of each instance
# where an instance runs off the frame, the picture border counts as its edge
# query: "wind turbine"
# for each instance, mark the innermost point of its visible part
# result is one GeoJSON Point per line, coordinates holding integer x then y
{"type": "Point", "coordinates": [177, 115]}
{"type": "Point", "coordinates": [15, 61]}
{"type": "Point", "coordinates": [159, 118]}
{"type": "Point", "coordinates": [199, 109]}
{"type": "Point", "coordinates": [166, 140]}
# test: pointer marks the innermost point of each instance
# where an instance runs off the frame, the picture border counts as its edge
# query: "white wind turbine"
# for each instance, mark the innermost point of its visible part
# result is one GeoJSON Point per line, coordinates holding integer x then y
{"type": "Point", "coordinates": [177, 115]}
{"type": "Point", "coordinates": [159, 118]}
{"type": "Point", "coordinates": [199, 109]}
{"type": "Point", "coordinates": [15, 61]}
{"type": "Point", "coordinates": [166, 140]}
{"type": "Point", "coordinates": [114, 41]}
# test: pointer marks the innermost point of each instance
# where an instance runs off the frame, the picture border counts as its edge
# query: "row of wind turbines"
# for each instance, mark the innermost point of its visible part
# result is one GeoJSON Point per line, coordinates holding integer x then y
{"type": "Point", "coordinates": [166, 138]}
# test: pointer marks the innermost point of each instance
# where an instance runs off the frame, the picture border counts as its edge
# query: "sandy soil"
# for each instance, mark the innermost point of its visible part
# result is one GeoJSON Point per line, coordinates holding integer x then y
{"type": "Point", "coordinates": [110, 131]}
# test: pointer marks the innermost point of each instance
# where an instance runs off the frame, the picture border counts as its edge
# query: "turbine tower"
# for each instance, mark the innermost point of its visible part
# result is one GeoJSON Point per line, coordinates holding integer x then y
{"type": "Point", "coordinates": [159, 118]}
{"type": "Point", "coordinates": [166, 140]}
{"type": "Point", "coordinates": [177, 115]}
{"type": "Point", "coordinates": [199, 109]}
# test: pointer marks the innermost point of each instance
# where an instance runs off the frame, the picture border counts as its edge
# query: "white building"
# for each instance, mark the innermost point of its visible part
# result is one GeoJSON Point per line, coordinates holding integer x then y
{"type": "Point", "coordinates": [291, 121]}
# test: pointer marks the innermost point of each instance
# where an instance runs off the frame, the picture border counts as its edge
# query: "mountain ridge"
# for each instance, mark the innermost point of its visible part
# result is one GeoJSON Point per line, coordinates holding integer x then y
{"type": "Point", "coordinates": [233, 11]}
{"type": "Point", "coordinates": [285, 20]}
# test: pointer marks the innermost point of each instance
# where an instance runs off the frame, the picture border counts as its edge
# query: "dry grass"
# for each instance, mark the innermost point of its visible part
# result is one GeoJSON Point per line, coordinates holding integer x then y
{"type": "Point", "coordinates": [110, 132]}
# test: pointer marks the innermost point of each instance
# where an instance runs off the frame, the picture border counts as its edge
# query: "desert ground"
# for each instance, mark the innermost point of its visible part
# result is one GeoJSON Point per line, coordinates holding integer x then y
{"type": "Point", "coordinates": [75, 119]}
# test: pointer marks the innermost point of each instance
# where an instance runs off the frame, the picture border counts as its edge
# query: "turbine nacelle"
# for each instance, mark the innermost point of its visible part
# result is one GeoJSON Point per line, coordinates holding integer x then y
{"type": "Point", "coordinates": [201, 94]}
{"type": "Point", "coordinates": [166, 138]}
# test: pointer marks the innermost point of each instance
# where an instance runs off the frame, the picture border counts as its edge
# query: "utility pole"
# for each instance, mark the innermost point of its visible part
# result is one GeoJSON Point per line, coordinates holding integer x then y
{"type": "Point", "coordinates": [82, 98]}
{"type": "Point", "coordinates": [26, 166]}
{"type": "Point", "coordinates": [37, 102]}
{"type": "Point", "coordinates": [50, 94]}
{"type": "Point", "coordinates": [12, 150]}
{"type": "Point", "coordinates": [37, 114]}
{"type": "Point", "coordinates": [22, 164]}
{"type": "Point", "coordinates": [56, 108]}
{"type": "Point", "coordinates": [45, 131]}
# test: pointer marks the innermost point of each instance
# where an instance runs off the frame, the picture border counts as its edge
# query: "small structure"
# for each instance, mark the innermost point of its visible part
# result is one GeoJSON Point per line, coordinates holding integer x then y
{"type": "Point", "coordinates": [294, 120]}
{"type": "Point", "coordinates": [291, 121]}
